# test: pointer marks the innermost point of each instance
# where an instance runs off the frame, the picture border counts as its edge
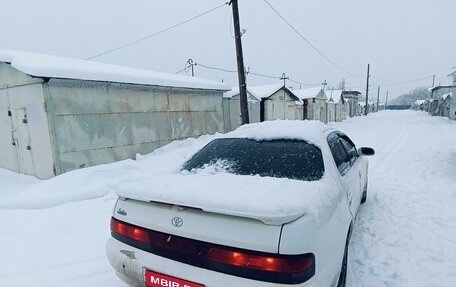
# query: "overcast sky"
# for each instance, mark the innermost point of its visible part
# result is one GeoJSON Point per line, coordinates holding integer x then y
{"type": "Point", "coordinates": [402, 39]}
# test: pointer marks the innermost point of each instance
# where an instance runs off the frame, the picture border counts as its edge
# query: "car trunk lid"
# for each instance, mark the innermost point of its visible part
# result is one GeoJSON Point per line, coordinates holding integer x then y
{"type": "Point", "coordinates": [201, 225]}
{"type": "Point", "coordinates": [272, 201]}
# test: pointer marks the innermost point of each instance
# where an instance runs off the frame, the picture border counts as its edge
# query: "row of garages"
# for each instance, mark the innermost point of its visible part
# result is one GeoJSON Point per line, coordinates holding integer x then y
{"type": "Point", "coordinates": [441, 103]}
{"type": "Point", "coordinates": [59, 114]}
{"type": "Point", "coordinates": [272, 102]}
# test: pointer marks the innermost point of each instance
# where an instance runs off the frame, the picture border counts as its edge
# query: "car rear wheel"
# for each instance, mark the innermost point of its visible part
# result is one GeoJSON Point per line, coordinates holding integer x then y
{"type": "Point", "coordinates": [343, 269]}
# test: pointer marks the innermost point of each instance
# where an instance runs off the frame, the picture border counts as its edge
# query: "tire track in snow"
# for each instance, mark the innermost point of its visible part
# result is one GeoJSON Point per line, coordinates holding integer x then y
{"type": "Point", "coordinates": [407, 220]}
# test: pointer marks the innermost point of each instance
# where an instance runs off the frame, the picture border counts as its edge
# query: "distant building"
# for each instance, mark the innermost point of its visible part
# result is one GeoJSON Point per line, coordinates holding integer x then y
{"type": "Point", "coordinates": [59, 114]}
{"type": "Point", "coordinates": [453, 75]}
{"type": "Point", "coordinates": [445, 105]}
{"type": "Point", "coordinates": [418, 105]}
{"type": "Point", "coordinates": [314, 103]}
{"type": "Point", "coordinates": [371, 107]}
{"type": "Point", "coordinates": [352, 98]}
{"type": "Point", "coordinates": [278, 103]}
{"type": "Point", "coordinates": [266, 103]}
{"type": "Point", "coordinates": [232, 108]}
{"type": "Point", "coordinates": [341, 106]}
{"type": "Point", "coordinates": [443, 102]}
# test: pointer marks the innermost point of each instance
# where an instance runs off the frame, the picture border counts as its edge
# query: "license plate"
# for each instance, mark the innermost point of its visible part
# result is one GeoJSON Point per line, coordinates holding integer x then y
{"type": "Point", "coordinates": [154, 279]}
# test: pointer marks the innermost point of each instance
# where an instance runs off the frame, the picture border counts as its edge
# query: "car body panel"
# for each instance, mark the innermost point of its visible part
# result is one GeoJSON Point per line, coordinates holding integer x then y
{"type": "Point", "coordinates": [321, 229]}
{"type": "Point", "coordinates": [200, 225]}
{"type": "Point", "coordinates": [278, 205]}
{"type": "Point", "coordinates": [316, 235]}
{"type": "Point", "coordinates": [131, 269]}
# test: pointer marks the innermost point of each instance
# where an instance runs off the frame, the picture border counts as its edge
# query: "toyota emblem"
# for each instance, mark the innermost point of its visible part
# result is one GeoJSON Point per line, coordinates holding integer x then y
{"type": "Point", "coordinates": [177, 221]}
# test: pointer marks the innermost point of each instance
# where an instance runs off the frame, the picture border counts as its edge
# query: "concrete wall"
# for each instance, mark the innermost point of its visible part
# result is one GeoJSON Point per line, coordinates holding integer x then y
{"type": "Point", "coordinates": [97, 123]}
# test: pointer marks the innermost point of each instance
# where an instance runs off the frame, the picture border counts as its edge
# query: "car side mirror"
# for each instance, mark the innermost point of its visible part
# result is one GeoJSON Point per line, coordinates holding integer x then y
{"type": "Point", "coordinates": [366, 151]}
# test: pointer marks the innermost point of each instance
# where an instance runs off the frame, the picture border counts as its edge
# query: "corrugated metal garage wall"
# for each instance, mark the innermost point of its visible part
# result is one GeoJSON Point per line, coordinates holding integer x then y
{"type": "Point", "coordinates": [98, 123]}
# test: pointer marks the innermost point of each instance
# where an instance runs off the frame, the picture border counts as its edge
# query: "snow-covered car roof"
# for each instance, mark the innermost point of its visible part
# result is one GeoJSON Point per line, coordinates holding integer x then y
{"type": "Point", "coordinates": [271, 200]}
{"type": "Point", "coordinates": [40, 65]}
{"type": "Point", "coordinates": [311, 131]}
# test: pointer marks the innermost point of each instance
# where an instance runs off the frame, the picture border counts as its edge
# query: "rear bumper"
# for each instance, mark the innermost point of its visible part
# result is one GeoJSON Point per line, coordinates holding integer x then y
{"type": "Point", "coordinates": [131, 263]}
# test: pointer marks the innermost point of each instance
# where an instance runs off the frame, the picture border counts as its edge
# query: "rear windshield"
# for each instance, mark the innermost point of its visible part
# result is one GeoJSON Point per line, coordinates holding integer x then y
{"type": "Point", "coordinates": [293, 159]}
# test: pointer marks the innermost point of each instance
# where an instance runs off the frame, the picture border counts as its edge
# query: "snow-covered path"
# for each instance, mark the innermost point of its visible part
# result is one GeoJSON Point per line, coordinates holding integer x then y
{"type": "Point", "coordinates": [405, 234]}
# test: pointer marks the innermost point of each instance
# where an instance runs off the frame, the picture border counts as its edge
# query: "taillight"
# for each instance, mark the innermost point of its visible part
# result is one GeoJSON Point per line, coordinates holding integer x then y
{"type": "Point", "coordinates": [268, 267]}
{"type": "Point", "coordinates": [267, 262]}
{"type": "Point", "coordinates": [130, 231]}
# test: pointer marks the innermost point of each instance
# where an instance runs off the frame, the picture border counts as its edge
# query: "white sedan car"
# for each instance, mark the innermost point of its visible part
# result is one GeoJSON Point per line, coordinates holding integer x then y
{"type": "Point", "coordinates": [269, 204]}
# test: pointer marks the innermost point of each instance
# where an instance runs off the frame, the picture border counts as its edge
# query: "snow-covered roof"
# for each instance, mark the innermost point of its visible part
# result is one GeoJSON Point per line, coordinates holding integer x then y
{"type": "Point", "coordinates": [265, 91]}
{"type": "Point", "coordinates": [235, 91]}
{"type": "Point", "coordinates": [259, 92]}
{"type": "Point", "coordinates": [447, 95]}
{"type": "Point", "coordinates": [40, 65]}
{"type": "Point", "coordinates": [309, 93]}
{"type": "Point", "coordinates": [336, 95]}
{"type": "Point", "coordinates": [351, 92]}
{"type": "Point", "coordinates": [453, 73]}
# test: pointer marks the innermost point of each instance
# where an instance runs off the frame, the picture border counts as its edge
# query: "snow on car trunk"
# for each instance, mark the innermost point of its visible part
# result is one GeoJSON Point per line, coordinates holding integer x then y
{"type": "Point", "coordinates": [271, 200]}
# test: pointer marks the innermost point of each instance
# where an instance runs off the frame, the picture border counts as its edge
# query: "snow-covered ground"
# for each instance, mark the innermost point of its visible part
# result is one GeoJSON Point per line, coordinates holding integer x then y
{"type": "Point", "coordinates": [53, 232]}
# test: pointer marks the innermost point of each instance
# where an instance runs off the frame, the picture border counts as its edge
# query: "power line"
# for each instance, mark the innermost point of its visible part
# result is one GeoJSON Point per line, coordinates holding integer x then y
{"type": "Point", "coordinates": [215, 68]}
{"type": "Point", "coordinates": [183, 70]}
{"type": "Point", "coordinates": [308, 42]}
{"type": "Point", "coordinates": [249, 72]}
{"type": "Point", "coordinates": [157, 33]}
{"type": "Point", "coordinates": [301, 83]}
{"type": "Point", "coordinates": [264, 76]}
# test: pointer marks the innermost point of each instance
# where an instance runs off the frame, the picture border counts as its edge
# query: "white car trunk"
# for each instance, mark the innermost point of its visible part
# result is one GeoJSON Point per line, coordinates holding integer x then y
{"type": "Point", "coordinates": [228, 230]}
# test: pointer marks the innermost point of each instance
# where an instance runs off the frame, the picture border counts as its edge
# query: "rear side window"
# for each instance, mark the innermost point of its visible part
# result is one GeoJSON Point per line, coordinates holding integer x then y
{"type": "Point", "coordinates": [351, 150]}
{"type": "Point", "coordinates": [343, 150]}
{"type": "Point", "coordinates": [341, 157]}
{"type": "Point", "coordinates": [294, 159]}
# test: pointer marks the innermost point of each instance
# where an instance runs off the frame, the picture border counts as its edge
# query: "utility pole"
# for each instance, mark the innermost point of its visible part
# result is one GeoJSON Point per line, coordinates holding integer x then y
{"type": "Point", "coordinates": [378, 97]}
{"type": "Point", "coordinates": [367, 91]}
{"type": "Point", "coordinates": [240, 64]}
{"type": "Point", "coordinates": [432, 89]}
{"type": "Point", "coordinates": [191, 64]}
{"type": "Point", "coordinates": [284, 78]}
{"type": "Point", "coordinates": [324, 84]}
{"type": "Point", "coordinates": [386, 103]}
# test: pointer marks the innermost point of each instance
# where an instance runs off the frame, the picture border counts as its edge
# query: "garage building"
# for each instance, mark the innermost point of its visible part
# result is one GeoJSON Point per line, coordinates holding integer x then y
{"type": "Point", "coordinates": [59, 114]}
